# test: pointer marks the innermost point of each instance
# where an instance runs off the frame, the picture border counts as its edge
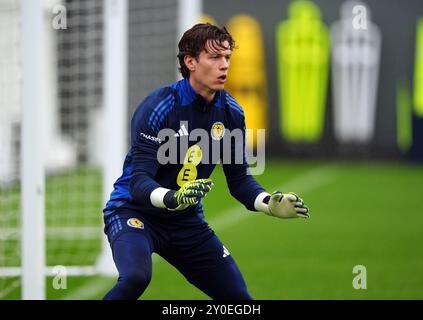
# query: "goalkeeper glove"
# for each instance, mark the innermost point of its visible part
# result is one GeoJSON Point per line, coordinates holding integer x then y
{"type": "Point", "coordinates": [189, 194]}
{"type": "Point", "coordinates": [286, 206]}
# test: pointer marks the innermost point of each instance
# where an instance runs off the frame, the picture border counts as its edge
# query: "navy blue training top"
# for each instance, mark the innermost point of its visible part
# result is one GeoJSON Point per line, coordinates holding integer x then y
{"type": "Point", "coordinates": [166, 108]}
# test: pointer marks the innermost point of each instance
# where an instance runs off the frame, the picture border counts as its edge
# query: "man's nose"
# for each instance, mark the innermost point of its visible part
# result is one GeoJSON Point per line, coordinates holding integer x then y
{"type": "Point", "coordinates": [224, 64]}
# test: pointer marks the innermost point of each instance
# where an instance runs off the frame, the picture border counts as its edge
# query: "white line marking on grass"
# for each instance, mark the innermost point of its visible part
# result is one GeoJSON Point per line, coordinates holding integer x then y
{"type": "Point", "coordinates": [89, 290]}
{"type": "Point", "coordinates": [301, 185]}
{"type": "Point", "coordinates": [311, 180]}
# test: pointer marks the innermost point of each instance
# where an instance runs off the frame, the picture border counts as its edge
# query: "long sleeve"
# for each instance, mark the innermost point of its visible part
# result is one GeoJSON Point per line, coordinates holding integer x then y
{"type": "Point", "coordinates": [242, 185]}
{"type": "Point", "coordinates": [145, 126]}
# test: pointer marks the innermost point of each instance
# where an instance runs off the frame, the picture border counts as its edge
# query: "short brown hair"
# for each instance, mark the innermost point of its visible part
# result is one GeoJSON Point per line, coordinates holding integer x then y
{"type": "Point", "coordinates": [194, 41]}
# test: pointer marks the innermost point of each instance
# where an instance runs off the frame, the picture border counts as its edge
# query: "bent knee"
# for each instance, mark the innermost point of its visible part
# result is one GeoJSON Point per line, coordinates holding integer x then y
{"type": "Point", "coordinates": [136, 277]}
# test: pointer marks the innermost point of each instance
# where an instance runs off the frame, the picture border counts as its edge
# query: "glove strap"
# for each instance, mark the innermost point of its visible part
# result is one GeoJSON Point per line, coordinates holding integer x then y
{"type": "Point", "coordinates": [169, 200]}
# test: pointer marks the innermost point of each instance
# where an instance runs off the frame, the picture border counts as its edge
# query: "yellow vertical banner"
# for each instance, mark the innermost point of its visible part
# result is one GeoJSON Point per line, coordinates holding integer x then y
{"type": "Point", "coordinates": [303, 45]}
{"type": "Point", "coordinates": [247, 74]}
{"type": "Point", "coordinates": [418, 71]}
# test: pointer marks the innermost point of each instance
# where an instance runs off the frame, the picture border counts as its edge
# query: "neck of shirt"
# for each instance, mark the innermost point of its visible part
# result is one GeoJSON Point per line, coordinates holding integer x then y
{"type": "Point", "coordinates": [199, 100]}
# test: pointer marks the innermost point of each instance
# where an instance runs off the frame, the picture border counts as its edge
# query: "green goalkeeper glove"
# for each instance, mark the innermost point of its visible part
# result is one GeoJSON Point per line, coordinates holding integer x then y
{"type": "Point", "coordinates": [189, 194]}
{"type": "Point", "coordinates": [287, 206]}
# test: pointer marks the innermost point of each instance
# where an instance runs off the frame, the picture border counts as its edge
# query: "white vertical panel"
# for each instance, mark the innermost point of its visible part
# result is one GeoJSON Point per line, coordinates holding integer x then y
{"type": "Point", "coordinates": [115, 106]}
{"type": "Point", "coordinates": [189, 12]}
{"type": "Point", "coordinates": [32, 140]}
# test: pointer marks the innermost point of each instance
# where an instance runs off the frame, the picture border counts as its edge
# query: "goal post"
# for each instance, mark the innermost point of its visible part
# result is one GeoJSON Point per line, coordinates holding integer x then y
{"type": "Point", "coordinates": [32, 150]}
{"type": "Point", "coordinates": [115, 107]}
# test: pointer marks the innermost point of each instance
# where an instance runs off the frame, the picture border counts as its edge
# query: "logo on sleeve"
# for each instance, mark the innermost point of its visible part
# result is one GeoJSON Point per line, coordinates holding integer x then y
{"type": "Point", "coordinates": [135, 223]}
{"type": "Point", "coordinates": [217, 131]}
{"type": "Point", "coordinates": [147, 136]}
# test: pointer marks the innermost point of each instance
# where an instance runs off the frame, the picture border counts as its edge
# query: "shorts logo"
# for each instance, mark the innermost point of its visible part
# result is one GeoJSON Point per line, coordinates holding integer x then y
{"type": "Point", "coordinates": [225, 252]}
{"type": "Point", "coordinates": [135, 223]}
{"type": "Point", "coordinates": [217, 131]}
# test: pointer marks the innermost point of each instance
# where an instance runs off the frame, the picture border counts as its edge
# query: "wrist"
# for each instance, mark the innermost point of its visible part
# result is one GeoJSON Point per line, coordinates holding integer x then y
{"type": "Point", "coordinates": [159, 197]}
{"type": "Point", "coordinates": [169, 199]}
{"type": "Point", "coordinates": [260, 204]}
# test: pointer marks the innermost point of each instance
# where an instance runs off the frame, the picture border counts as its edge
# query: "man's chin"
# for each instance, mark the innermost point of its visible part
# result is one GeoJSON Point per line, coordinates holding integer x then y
{"type": "Point", "coordinates": [219, 86]}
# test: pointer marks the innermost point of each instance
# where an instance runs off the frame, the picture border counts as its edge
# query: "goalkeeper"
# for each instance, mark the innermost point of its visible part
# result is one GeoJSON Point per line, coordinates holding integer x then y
{"type": "Point", "coordinates": [157, 208]}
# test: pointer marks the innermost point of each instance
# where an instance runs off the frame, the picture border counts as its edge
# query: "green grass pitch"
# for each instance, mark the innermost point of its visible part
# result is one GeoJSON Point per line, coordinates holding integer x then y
{"type": "Point", "coordinates": [368, 214]}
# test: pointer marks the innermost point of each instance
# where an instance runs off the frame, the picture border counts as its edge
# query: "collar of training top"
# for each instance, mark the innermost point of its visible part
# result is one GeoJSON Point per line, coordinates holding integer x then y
{"type": "Point", "coordinates": [188, 95]}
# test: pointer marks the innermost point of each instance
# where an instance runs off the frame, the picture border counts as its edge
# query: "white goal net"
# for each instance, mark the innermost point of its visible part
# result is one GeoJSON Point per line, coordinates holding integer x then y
{"type": "Point", "coordinates": [76, 131]}
{"type": "Point", "coordinates": [10, 101]}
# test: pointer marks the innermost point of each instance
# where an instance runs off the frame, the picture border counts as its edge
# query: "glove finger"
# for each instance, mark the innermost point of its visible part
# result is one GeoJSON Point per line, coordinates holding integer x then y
{"type": "Point", "coordinates": [301, 210]}
{"type": "Point", "coordinates": [199, 182]}
{"type": "Point", "coordinates": [204, 188]}
{"type": "Point", "coordinates": [200, 191]}
{"type": "Point", "coordinates": [193, 190]}
{"type": "Point", "coordinates": [303, 215]}
{"type": "Point", "coordinates": [291, 197]}
{"type": "Point", "coordinates": [207, 187]}
{"type": "Point", "coordinates": [198, 194]}
{"type": "Point", "coordinates": [298, 199]}
{"type": "Point", "coordinates": [189, 200]}
{"type": "Point", "coordinates": [299, 204]}
{"type": "Point", "coordinates": [193, 200]}
{"type": "Point", "coordinates": [200, 187]}
{"type": "Point", "coordinates": [276, 196]}
{"type": "Point", "coordinates": [208, 182]}
{"type": "Point", "coordinates": [294, 194]}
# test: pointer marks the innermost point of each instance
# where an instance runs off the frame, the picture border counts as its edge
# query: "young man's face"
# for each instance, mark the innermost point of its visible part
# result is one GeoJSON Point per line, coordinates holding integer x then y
{"type": "Point", "coordinates": [209, 71]}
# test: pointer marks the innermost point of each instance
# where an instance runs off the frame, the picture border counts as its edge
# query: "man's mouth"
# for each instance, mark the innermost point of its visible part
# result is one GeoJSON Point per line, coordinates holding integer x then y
{"type": "Point", "coordinates": [222, 78]}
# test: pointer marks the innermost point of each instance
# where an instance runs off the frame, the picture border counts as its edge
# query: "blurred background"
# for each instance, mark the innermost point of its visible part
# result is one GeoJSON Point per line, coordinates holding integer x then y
{"type": "Point", "coordinates": [338, 86]}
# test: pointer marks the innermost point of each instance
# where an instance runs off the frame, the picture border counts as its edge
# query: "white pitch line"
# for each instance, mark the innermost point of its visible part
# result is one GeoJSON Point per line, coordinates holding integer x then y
{"type": "Point", "coordinates": [304, 183]}
{"type": "Point", "coordinates": [89, 289]}
{"type": "Point", "coordinates": [301, 185]}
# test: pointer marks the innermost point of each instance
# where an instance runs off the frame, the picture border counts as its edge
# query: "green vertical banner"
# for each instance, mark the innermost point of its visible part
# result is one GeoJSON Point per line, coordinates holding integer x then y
{"type": "Point", "coordinates": [303, 45]}
{"type": "Point", "coordinates": [418, 71]}
{"type": "Point", "coordinates": [404, 118]}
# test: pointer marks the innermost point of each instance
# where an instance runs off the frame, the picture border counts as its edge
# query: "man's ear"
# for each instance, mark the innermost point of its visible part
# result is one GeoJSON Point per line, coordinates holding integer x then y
{"type": "Point", "coordinates": [190, 62]}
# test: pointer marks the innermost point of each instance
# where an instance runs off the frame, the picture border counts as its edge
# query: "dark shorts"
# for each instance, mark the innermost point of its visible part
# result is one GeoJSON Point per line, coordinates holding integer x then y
{"type": "Point", "coordinates": [190, 245]}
